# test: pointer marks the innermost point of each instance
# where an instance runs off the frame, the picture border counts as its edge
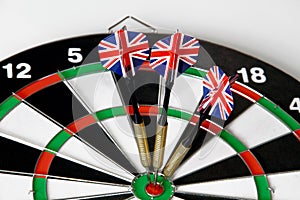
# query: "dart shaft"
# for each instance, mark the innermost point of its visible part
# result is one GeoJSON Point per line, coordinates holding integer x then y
{"type": "Point", "coordinates": [159, 147]}
{"type": "Point", "coordinates": [175, 160]}
{"type": "Point", "coordinates": [142, 143]}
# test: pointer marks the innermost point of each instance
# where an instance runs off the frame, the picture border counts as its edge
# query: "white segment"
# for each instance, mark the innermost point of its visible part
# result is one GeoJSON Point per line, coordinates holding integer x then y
{"type": "Point", "coordinates": [186, 93]}
{"type": "Point", "coordinates": [63, 189]}
{"type": "Point", "coordinates": [15, 187]}
{"type": "Point", "coordinates": [177, 198]}
{"type": "Point", "coordinates": [120, 130]}
{"type": "Point", "coordinates": [78, 150]}
{"type": "Point", "coordinates": [175, 130]}
{"type": "Point", "coordinates": [212, 151]}
{"type": "Point", "coordinates": [243, 188]}
{"type": "Point", "coordinates": [285, 185]}
{"type": "Point", "coordinates": [26, 124]}
{"type": "Point", "coordinates": [97, 90]}
{"type": "Point", "coordinates": [256, 126]}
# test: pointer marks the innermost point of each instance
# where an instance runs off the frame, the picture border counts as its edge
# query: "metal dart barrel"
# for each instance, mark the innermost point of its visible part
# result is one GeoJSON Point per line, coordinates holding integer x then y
{"type": "Point", "coordinates": [142, 143]}
{"type": "Point", "coordinates": [175, 160]}
{"type": "Point", "coordinates": [159, 147]}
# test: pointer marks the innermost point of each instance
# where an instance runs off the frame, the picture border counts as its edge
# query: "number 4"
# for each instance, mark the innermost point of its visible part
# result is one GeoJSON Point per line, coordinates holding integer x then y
{"type": "Point", "coordinates": [295, 104]}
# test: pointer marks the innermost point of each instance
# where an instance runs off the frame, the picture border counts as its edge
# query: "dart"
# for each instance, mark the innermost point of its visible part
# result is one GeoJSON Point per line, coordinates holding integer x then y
{"type": "Point", "coordinates": [170, 57]}
{"type": "Point", "coordinates": [217, 101]}
{"type": "Point", "coordinates": [123, 53]}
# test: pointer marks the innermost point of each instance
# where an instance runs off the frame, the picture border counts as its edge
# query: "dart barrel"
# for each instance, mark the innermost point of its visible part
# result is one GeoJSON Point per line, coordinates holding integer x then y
{"type": "Point", "coordinates": [142, 143]}
{"type": "Point", "coordinates": [160, 142]}
{"type": "Point", "coordinates": [175, 160]}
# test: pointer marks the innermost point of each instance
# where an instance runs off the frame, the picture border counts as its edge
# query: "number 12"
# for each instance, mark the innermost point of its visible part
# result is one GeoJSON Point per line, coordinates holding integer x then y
{"type": "Point", "coordinates": [22, 74]}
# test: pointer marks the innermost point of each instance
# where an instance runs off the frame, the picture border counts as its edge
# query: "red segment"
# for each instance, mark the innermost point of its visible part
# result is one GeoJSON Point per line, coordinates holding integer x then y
{"type": "Point", "coordinates": [252, 163]}
{"type": "Point", "coordinates": [194, 119]}
{"type": "Point", "coordinates": [144, 110]}
{"type": "Point", "coordinates": [154, 190]}
{"type": "Point", "coordinates": [37, 86]}
{"type": "Point", "coordinates": [81, 123]}
{"type": "Point", "coordinates": [212, 127]}
{"type": "Point", "coordinates": [297, 134]}
{"type": "Point", "coordinates": [44, 163]}
{"type": "Point", "coordinates": [246, 91]}
{"type": "Point", "coordinates": [37, 176]}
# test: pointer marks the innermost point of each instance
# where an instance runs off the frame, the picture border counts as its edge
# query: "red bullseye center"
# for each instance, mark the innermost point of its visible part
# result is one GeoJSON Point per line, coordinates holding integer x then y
{"type": "Point", "coordinates": [154, 190]}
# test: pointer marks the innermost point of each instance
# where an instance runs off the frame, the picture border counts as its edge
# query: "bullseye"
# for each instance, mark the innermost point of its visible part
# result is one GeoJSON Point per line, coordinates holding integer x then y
{"type": "Point", "coordinates": [154, 189]}
{"type": "Point", "coordinates": [145, 189]}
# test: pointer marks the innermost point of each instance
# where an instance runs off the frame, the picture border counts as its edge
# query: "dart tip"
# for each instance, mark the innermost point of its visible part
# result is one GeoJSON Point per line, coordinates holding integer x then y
{"type": "Point", "coordinates": [148, 176]}
{"type": "Point", "coordinates": [155, 177]}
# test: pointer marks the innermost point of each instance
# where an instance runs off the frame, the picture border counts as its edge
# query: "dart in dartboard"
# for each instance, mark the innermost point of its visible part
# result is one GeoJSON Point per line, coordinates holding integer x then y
{"type": "Point", "coordinates": [217, 101]}
{"type": "Point", "coordinates": [123, 52]}
{"type": "Point", "coordinates": [170, 57]}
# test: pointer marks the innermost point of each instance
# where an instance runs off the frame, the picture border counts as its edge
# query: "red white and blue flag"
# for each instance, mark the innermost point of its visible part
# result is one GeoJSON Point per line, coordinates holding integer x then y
{"type": "Point", "coordinates": [124, 51]}
{"type": "Point", "coordinates": [172, 55]}
{"type": "Point", "coordinates": [217, 94]}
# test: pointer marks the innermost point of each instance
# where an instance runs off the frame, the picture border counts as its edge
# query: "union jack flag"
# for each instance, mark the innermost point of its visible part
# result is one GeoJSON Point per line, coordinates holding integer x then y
{"type": "Point", "coordinates": [172, 55]}
{"type": "Point", "coordinates": [217, 94]}
{"type": "Point", "coordinates": [123, 51]}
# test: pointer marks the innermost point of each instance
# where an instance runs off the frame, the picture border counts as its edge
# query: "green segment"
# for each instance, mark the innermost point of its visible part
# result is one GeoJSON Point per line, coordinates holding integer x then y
{"type": "Point", "coordinates": [140, 182]}
{"type": "Point", "coordinates": [79, 71]}
{"type": "Point", "coordinates": [233, 142]}
{"type": "Point", "coordinates": [195, 72]}
{"type": "Point", "coordinates": [8, 105]}
{"type": "Point", "coordinates": [110, 112]}
{"type": "Point", "coordinates": [262, 185]}
{"type": "Point", "coordinates": [179, 114]}
{"type": "Point", "coordinates": [281, 114]}
{"type": "Point", "coordinates": [119, 111]}
{"type": "Point", "coordinates": [56, 143]}
{"type": "Point", "coordinates": [39, 188]}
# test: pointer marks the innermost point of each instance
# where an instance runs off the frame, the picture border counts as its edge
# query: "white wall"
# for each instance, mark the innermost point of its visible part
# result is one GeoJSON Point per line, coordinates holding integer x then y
{"type": "Point", "coordinates": [267, 29]}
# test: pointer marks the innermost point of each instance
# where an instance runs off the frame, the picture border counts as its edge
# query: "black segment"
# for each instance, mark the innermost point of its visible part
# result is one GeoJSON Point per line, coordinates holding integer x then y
{"type": "Point", "coordinates": [96, 137]}
{"type": "Point", "coordinates": [65, 168]}
{"type": "Point", "coordinates": [230, 168]}
{"type": "Point", "coordinates": [58, 103]}
{"type": "Point", "coordinates": [145, 88]}
{"type": "Point", "coordinates": [17, 157]}
{"type": "Point", "coordinates": [240, 105]}
{"type": "Point", "coordinates": [110, 197]}
{"type": "Point", "coordinates": [279, 155]}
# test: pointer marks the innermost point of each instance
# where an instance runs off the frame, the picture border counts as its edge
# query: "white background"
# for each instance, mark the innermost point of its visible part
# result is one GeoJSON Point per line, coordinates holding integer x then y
{"type": "Point", "coordinates": [267, 29]}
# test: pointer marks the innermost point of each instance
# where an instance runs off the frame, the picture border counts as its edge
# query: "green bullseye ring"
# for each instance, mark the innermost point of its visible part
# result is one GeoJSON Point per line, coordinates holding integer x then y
{"type": "Point", "coordinates": [140, 182]}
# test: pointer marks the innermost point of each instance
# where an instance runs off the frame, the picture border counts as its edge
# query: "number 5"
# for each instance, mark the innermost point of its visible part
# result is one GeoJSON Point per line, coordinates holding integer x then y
{"type": "Point", "coordinates": [74, 55]}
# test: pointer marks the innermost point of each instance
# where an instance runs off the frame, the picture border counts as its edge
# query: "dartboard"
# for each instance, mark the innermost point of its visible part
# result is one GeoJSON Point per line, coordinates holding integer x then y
{"type": "Point", "coordinates": [66, 132]}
